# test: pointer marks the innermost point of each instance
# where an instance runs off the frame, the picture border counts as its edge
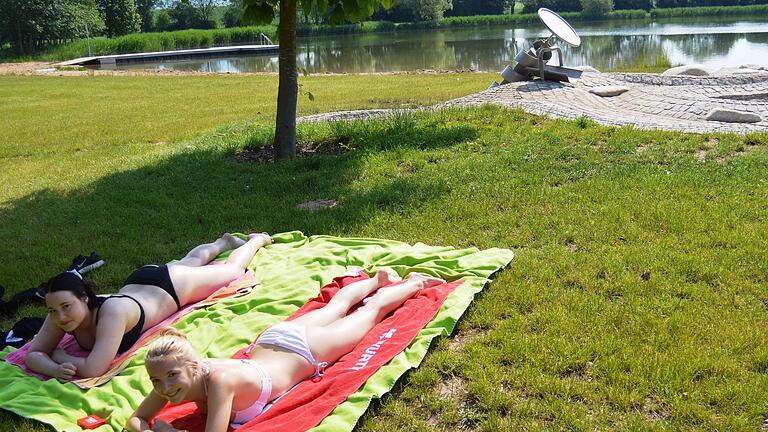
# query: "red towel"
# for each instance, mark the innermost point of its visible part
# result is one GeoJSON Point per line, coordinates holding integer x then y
{"type": "Point", "coordinates": [307, 404]}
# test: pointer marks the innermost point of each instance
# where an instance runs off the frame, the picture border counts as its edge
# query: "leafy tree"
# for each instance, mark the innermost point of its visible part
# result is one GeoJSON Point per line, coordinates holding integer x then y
{"type": "Point", "coordinates": [204, 8]}
{"type": "Point", "coordinates": [30, 24]}
{"type": "Point", "coordinates": [263, 11]}
{"type": "Point", "coordinates": [397, 13]}
{"type": "Point", "coordinates": [163, 21]}
{"type": "Point", "coordinates": [633, 4]}
{"type": "Point", "coordinates": [428, 10]}
{"type": "Point", "coordinates": [596, 8]}
{"type": "Point", "coordinates": [478, 7]}
{"type": "Point", "coordinates": [186, 15]}
{"type": "Point", "coordinates": [233, 15]}
{"type": "Point", "coordinates": [556, 5]}
{"type": "Point", "coordinates": [120, 16]}
{"type": "Point", "coordinates": [144, 9]}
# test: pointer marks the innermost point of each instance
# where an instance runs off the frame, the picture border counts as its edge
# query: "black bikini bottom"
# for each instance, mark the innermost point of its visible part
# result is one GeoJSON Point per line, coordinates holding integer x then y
{"type": "Point", "coordinates": [156, 276]}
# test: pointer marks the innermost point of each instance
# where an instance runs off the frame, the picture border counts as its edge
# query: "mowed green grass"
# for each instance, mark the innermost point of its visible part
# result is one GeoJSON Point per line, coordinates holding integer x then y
{"type": "Point", "coordinates": [59, 136]}
{"type": "Point", "coordinates": [637, 300]}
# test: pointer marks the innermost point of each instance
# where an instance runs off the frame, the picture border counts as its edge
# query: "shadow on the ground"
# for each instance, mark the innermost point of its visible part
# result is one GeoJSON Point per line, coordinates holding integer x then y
{"type": "Point", "coordinates": [158, 212]}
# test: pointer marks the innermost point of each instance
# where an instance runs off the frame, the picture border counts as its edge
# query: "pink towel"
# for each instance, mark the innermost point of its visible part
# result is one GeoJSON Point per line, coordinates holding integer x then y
{"type": "Point", "coordinates": [241, 285]}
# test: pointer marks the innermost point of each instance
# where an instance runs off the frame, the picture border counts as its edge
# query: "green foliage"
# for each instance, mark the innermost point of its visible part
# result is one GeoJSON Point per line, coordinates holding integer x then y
{"type": "Point", "coordinates": [186, 15]}
{"type": "Point", "coordinates": [633, 4]}
{"type": "Point", "coordinates": [478, 7]}
{"type": "Point", "coordinates": [530, 6]}
{"type": "Point", "coordinates": [756, 10]}
{"type": "Point", "coordinates": [427, 10]}
{"type": "Point", "coordinates": [233, 15]}
{"type": "Point", "coordinates": [31, 24]}
{"type": "Point", "coordinates": [596, 8]}
{"type": "Point", "coordinates": [163, 41]}
{"type": "Point", "coordinates": [163, 21]}
{"type": "Point", "coordinates": [144, 9]}
{"type": "Point", "coordinates": [705, 3]}
{"type": "Point", "coordinates": [205, 9]}
{"type": "Point", "coordinates": [120, 17]}
{"type": "Point", "coordinates": [340, 11]}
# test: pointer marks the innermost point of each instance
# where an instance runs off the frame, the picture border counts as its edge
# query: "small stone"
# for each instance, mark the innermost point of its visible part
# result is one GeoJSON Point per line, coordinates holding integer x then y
{"type": "Point", "coordinates": [608, 91]}
{"type": "Point", "coordinates": [645, 276]}
{"type": "Point", "coordinates": [752, 66]}
{"type": "Point", "coordinates": [692, 70]}
{"type": "Point", "coordinates": [746, 71]}
{"type": "Point", "coordinates": [726, 71]}
{"type": "Point", "coordinates": [586, 68]}
{"type": "Point", "coordinates": [732, 116]}
{"type": "Point", "coordinates": [315, 205]}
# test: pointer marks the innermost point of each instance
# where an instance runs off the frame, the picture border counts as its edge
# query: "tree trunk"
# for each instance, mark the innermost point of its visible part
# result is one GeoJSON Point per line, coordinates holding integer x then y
{"type": "Point", "coordinates": [288, 87]}
{"type": "Point", "coordinates": [19, 40]}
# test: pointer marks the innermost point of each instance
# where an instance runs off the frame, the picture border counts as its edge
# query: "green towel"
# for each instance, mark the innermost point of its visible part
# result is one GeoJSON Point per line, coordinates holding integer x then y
{"type": "Point", "coordinates": [291, 271]}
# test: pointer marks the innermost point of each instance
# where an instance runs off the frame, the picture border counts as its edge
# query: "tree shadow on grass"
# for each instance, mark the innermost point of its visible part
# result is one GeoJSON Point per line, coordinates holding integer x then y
{"type": "Point", "coordinates": [158, 212]}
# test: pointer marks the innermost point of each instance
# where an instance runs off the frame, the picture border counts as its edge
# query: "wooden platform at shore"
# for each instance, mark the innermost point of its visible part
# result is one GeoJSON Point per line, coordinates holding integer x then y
{"type": "Point", "coordinates": [171, 55]}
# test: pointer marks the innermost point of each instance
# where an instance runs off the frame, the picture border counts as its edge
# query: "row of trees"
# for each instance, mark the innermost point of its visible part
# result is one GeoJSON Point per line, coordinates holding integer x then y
{"type": "Point", "coordinates": [29, 25]}
{"type": "Point", "coordinates": [592, 5]}
{"type": "Point", "coordinates": [694, 3]}
{"type": "Point", "coordinates": [430, 10]}
{"type": "Point", "coordinates": [585, 5]}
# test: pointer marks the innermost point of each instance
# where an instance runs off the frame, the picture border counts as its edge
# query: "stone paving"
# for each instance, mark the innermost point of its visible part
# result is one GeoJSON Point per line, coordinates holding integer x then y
{"type": "Point", "coordinates": [653, 101]}
{"type": "Point", "coordinates": [679, 103]}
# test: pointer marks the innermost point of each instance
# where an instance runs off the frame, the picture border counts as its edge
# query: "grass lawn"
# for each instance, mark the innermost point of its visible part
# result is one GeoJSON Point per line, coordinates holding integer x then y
{"type": "Point", "coordinates": [637, 299]}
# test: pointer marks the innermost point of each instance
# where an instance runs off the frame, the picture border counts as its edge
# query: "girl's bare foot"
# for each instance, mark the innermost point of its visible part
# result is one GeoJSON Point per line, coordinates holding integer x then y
{"type": "Point", "coordinates": [426, 280]}
{"type": "Point", "coordinates": [266, 238]}
{"type": "Point", "coordinates": [231, 241]}
{"type": "Point", "coordinates": [386, 278]}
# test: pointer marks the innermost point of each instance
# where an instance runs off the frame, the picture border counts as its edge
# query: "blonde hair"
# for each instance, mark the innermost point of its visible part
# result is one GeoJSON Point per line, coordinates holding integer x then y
{"type": "Point", "coordinates": [171, 343]}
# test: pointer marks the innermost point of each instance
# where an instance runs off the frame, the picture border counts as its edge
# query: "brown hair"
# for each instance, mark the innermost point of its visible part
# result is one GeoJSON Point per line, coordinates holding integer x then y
{"type": "Point", "coordinates": [171, 343]}
{"type": "Point", "coordinates": [73, 282]}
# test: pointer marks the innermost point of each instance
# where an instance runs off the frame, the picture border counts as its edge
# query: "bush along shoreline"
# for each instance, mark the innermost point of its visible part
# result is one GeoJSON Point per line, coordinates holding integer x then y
{"type": "Point", "coordinates": [191, 39]}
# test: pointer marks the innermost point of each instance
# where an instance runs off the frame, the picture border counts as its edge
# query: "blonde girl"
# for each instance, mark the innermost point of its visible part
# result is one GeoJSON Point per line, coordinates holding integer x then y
{"type": "Point", "coordinates": [237, 390]}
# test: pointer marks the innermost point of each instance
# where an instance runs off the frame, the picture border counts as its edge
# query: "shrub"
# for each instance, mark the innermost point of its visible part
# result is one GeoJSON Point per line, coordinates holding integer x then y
{"type": "Point", "coordinates": [163, 21]}
{"type": "Point", "coordinates": [596, 8]}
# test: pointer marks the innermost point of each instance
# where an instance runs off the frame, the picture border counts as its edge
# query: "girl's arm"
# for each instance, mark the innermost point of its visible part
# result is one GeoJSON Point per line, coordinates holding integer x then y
{"type": "Point", "coordinates": [38, 357]}
{"type": "Point", "coordinates": [221, 393]}
{"type": "Point", "coordinates": [109, 333]}
{"type": "Point", "coordinates": [147, 410]}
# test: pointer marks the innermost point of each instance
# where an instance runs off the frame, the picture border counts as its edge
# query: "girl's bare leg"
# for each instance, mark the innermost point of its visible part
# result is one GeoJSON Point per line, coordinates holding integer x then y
{"type": "Point", "coordinates": [205, 253]}
{"type": "Point", "coordinates": [330, 342]}
{"type": "Point", "coordinates": [194, 283]}
{"type": "Point", "coordinates": [347, 297]}
{"type": "Point", "coordinates": [243, 255]}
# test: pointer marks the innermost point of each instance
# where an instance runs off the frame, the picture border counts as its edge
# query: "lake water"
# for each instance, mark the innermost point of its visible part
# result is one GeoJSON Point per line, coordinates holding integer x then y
{"type": "Point", "coordinates": [714, 42]}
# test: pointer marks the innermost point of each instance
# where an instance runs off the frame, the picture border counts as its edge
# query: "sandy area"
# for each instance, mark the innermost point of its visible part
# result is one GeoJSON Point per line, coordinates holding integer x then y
{"type": "Point", "coordinates": [44, 68]}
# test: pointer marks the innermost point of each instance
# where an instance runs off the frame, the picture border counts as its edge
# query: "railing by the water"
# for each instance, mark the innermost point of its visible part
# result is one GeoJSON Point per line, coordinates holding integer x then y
{"type": "Point", "coordinates": [264, 39]}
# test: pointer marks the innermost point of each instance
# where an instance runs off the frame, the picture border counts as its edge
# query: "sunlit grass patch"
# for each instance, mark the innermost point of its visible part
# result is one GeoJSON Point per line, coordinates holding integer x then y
{"type": "Point", "coordinates": [636, 299]}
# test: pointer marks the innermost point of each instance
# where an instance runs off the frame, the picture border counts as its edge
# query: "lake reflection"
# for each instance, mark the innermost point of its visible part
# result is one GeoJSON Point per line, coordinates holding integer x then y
{"type": "Point", "coordinates": [608, 45]}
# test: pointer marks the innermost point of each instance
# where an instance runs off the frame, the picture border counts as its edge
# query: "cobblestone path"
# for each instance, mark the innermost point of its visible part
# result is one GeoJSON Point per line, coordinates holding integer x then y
{"type": "Point", "coordinates": [653, 101]}
{"type": "Point", "coordinates": [679, 103]}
